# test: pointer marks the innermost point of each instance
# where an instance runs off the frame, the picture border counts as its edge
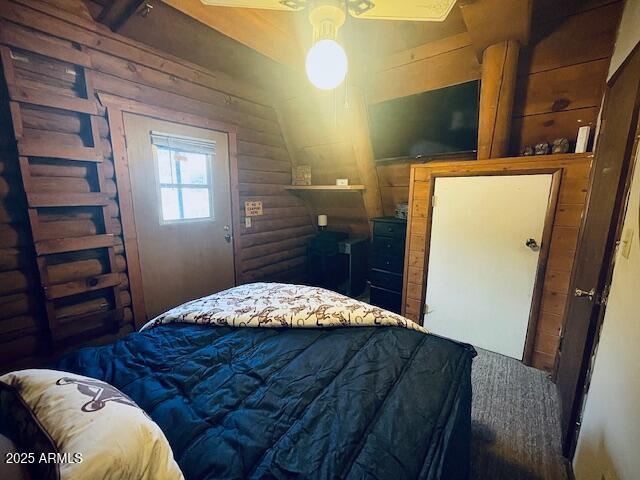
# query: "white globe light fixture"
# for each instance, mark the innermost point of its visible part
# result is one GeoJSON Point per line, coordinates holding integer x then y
{"type": "Point", "coordinates": [326, 62]}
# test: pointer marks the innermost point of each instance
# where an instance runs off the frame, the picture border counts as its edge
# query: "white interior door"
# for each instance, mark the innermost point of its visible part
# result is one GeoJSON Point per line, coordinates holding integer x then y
{"type": "Point", "coordinates": [182, 207]}
{"type": "Point", "coordinates": [481, 273]}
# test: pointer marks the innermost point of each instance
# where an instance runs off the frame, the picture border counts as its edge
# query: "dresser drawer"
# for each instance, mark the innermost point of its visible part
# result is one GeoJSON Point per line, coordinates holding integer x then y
{"type": "Point", "coordinates": [387, 280]}
{"type": "Point", "coordinates": [388, 246]}
{"type": "Point", "coordinates": [391, 263]}
{"type": "Point", "coordinates": [386, 299]}
{"type": "Point", "coordinates": [389, 229]}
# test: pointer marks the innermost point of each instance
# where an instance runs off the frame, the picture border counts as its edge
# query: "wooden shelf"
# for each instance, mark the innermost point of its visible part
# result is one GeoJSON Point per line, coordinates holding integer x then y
{"type": "Point", "coordinates": [344, 188]}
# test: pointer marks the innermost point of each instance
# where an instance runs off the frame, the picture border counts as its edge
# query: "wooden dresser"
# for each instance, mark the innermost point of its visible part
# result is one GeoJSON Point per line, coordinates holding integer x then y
{"type": "Point", "coordinates": [387, 262]}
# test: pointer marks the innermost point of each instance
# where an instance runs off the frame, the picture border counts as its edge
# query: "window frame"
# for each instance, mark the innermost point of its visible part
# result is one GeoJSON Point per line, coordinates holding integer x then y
{"type": "Point", "coordinates": [209, 186]}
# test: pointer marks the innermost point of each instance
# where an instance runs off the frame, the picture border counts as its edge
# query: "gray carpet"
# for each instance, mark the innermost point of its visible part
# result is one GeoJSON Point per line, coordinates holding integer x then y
{"type": "Point", "coordinates": [515, 422]}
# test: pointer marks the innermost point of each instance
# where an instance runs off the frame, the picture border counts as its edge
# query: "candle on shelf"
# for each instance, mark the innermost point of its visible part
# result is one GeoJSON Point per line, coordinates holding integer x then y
{"type": "Point", "coordinates": [322, 222]}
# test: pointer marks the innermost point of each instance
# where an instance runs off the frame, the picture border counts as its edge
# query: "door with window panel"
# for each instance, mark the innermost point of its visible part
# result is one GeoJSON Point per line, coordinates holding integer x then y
{"type": "Point", "coordinates": [182, 208]}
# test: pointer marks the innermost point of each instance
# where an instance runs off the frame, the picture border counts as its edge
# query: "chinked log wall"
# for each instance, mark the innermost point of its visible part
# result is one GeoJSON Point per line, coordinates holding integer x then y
{"type": "Point", "coordinates": [41, 40]}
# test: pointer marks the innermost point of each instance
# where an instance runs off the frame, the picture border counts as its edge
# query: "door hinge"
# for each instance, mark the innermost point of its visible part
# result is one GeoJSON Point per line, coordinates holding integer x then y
{"type": "Point", "coordinates": [434, 201]}
{"type": "Point", "coordinates": [126, 145]}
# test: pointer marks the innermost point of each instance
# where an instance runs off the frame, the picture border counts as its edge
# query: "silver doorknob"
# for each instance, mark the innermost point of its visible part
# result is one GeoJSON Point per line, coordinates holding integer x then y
{"type": "Point", "coordinates": [532, 244]}
{"type": "Point", "coordinates": [584, 293]}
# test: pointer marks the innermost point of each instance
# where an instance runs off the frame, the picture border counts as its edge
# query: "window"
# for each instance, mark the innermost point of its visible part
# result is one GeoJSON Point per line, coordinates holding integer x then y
{"type": "Point", "coordinates": [184, 177]}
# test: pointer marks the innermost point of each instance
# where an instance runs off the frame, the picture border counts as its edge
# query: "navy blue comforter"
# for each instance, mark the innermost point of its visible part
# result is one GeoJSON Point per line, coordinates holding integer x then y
{"type": "Point", "coordinates": [385, 402]}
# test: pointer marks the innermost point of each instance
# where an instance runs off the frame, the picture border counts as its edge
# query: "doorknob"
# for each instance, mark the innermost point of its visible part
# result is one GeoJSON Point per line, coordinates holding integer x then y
{"type": "Point", "coordinates": [532, 244]}
{"type": "Point", "coordinates": [227, 235]}
{"type": "Point", "coordinates": [583, 293]}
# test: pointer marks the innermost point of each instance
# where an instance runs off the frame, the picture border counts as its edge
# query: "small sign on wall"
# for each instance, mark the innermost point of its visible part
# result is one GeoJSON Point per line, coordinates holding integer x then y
{"type": "Point", "coordinates": [252, 209]}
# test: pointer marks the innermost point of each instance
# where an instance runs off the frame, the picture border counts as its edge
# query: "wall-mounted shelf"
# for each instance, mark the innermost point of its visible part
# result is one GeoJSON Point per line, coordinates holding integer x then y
{"type": "Point", "coordinates": [344, 188]}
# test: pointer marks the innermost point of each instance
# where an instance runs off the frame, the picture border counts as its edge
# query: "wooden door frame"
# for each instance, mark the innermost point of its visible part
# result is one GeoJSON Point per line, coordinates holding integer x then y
{"type": "Point", "coordinates": [570, 443]}
{"type": "Point", "coordinates": [116, 107]}
{"type": "Point", "coordinates": [556, 177]}
{"type": "Point", "coordinates": [574, 170]}
{"type": "Point", "coordinates": [599, 276]}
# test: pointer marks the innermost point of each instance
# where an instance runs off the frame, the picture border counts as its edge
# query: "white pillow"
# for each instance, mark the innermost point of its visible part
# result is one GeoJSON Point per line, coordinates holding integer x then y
{"type": "Point", "coordinates": [96, 430]}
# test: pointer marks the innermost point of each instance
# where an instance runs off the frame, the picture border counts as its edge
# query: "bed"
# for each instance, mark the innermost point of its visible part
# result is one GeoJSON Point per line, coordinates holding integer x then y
{"type": "Point", "coordinates": [283, 381]}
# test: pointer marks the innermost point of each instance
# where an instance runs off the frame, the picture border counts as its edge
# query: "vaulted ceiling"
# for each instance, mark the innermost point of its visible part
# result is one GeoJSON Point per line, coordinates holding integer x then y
{"type": "Point", "coordinates": [264, 47]}
{"type": "Point", "coordinates": [267, 47]}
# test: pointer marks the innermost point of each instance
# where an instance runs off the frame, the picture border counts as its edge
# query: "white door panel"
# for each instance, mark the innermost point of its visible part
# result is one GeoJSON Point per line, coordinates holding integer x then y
{"type": "Point", "coordinates": [481, 274]}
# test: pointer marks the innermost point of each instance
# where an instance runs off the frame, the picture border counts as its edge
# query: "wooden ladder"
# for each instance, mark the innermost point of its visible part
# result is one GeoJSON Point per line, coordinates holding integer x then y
{"type": "Point", "coordinates": [36, 148]}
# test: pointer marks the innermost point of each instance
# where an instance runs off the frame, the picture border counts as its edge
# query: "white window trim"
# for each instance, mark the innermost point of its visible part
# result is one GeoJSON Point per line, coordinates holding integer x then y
{"type": "Point", "coordinates": [209, 186]}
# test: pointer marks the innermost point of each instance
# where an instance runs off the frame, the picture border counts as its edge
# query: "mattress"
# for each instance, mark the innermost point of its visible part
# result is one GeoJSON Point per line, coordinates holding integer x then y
{"type": "Point", "coordinates": [319, 403]}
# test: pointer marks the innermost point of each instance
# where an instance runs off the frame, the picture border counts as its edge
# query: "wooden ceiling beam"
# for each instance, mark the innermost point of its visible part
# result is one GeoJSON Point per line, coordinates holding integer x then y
{"type": "Point", "coordinates": [253, 28]}
{"type": "Point", "coordinates": [497, 28]}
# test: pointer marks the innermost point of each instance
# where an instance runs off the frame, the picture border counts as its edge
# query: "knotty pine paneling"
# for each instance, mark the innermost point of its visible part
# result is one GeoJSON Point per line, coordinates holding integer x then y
{"type": "Point", "coordinates": [562, 74]}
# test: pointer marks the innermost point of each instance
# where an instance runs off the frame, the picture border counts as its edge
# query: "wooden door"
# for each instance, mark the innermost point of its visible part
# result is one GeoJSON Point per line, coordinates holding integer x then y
{"type": "Point", "coordinates": [182, 208]}
{"type": "Point", "coordinates": [596, 244]}
{"type": "Point", "coordinates": [486, 234]}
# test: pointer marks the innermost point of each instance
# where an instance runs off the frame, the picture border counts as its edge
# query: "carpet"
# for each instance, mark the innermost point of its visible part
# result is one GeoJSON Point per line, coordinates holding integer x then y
{"type": "Point", "coordinates": [515, 422]}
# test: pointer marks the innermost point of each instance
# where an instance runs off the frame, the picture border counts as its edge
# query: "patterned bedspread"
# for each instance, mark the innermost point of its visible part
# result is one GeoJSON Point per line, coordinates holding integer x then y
{"type": "Point", "coordinates": [279, 305]}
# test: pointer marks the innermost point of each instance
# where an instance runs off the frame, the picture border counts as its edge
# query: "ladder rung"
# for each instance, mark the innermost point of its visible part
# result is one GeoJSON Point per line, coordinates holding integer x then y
{"type": "Point", "coordinates": [76, 325]}
{"type": "Point", "coordinates": [80, 286]}
{"type": "Point", "coordinates": [15, 324]}
{"type": "Point", "coordinates": [16, 334]}
{"type": "Point", "coordinates": [26, 40]}
{"type": "Point", "coordinates": [39, 148]}
{"type": "Point", "coordinates": [62, 245]}
{"type": "Point", "coordinates": [38, 97]}
{"type": "Point", "coordinates": [67, 199]}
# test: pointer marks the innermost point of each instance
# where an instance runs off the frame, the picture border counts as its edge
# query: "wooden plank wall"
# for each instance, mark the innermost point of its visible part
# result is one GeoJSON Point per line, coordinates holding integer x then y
{"type": "Point", "coordinates": [562, 74]}
{"type": "Point", "coordinates": [574, 184]}
{"type": "Point", "coordinates": [273, 249]}
{"type": "Point", "coordinates": [561, 77]}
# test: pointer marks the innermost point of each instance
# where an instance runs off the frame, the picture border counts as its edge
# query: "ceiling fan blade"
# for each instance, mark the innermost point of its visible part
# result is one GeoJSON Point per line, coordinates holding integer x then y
{"type": "Point", "coordinates": [416, 10]}
{"type": "Point", "coordinates": [261, 4]}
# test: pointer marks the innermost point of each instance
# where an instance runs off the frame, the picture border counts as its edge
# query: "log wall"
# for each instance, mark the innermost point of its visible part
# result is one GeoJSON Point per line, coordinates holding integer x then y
{"type": "Point", "coordinates": [272, 249]}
